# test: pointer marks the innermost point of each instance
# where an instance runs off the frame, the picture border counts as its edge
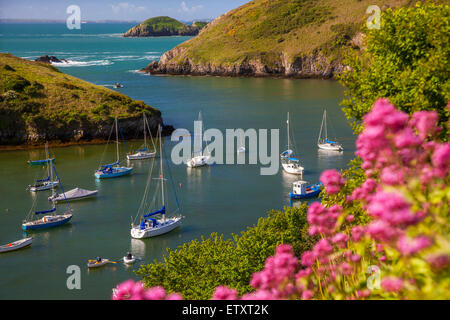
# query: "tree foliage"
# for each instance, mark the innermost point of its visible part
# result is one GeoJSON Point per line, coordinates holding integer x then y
{"type": "Point", "coordinates": [406, 60]}
{"type": "Point", "coordinates": [196, 268]}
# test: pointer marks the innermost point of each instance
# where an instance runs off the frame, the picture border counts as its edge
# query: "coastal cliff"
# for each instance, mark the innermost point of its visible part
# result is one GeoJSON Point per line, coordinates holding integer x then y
{"type": "Point", "coordinates": [39, 103]}
{"type": "Point", "coordinates": [282, 38]}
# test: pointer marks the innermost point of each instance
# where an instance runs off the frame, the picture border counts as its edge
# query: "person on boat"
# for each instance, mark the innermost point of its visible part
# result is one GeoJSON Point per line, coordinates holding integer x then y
{"type": "Point", "coordinates": [129, 256]}
{"type": "Point", "coordinates": [99, 259]}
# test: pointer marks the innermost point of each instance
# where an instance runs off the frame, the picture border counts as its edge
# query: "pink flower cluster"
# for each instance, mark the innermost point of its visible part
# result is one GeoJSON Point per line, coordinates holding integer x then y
{"type": "Point", "coordinates": [332, 181]}
{"type": "Point", "coordinates": [130, 290]}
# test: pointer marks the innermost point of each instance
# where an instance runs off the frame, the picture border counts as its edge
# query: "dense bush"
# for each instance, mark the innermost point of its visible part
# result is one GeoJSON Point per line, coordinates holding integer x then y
{"type": "Point", "coordinates": [406, 60]}
{"type": "Point", "coordinates": [196, 268]}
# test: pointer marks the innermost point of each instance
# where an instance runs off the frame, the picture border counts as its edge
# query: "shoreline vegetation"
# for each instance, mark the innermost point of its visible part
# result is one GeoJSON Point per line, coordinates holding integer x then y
{"type": "Point", "coordinates": [164, 26]}
{"type": "Point", "coordinates": [40, 103]}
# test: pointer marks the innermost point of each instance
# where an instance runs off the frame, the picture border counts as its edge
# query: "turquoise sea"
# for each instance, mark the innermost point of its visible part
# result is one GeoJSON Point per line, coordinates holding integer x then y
{"type": "Point", "coordinates": [219, 198]}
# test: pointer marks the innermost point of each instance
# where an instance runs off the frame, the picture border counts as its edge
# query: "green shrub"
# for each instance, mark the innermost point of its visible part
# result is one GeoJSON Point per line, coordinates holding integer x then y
{"type": "Point", "coordinates": [197, 267]}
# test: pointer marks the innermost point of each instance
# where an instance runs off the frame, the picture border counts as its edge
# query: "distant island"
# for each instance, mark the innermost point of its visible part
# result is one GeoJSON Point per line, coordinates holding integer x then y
{"type": "Point", "coordinates": [283, 38]}
{"type": "Point", "coordinates": [40, 103]}
{"type": "Point", "coordinates": [164, 26]}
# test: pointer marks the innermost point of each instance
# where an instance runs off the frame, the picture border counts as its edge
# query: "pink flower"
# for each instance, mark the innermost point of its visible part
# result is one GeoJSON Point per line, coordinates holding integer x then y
{"type": "Point", "coordinates": [406, 138]}
{"type": "Point", "coordinates": [439, 262]}
{"type": "Point", "coordinates": [381, 231]}
{"type": "Point", "coordinates": [124, 290]}
{"type": "Point", "coordinates": [409, 246]}
{"type": "Point", "coordinates": [332, 181]}
{"type": "Point", "coordinates": [322, 248]}
{"type": "Point", "coordinates": [174, 296]}
{"type": "Point", "coordinates": [258, 295]}
{"type": "Point", "coordinates": [426, 123]}
{"type": "Point", "coordinates": [155, 293]}
{"type": "Point", "coordinates": [392, 284]}
{"type": "Point", "coordinates": [224, 293]}
{"type": "Point", "coordinates": [307, 294]}
{"type": "Point", "coordinates": [441, 160]}
{"type": "Point", "coordinates": [339, 239]}
{"type": "Point", "coordinates": [308, 258]}
{"type": "Point", "coordinates": [357, 233]}
{"type": "Point", "coordinates": [392, 175]}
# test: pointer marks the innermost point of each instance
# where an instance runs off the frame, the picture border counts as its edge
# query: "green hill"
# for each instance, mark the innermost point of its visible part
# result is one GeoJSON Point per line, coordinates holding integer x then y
{"type": "Point", "coordinates": [38, 102]}
{"type": "Point", "coordinates": [163, 26]}
{"type": "Point", "coordinates": [299, 38]}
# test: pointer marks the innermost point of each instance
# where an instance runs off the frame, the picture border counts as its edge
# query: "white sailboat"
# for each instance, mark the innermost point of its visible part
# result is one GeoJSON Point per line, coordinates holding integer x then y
{"type": "Point", "coordinates": [44, 184]}
{"type": "Point", "coordinates": [201, 159]}
{"type": "Point", "coordinates": [151, 227]}
{"type": "Point", "coordinates": [323, 142]}
{"type": "Point", "coordinates": [114, 169]}
{"type": "Point", "coordinates": [288, 162]}
{"type": "Point", "coordinates": [143, 153]}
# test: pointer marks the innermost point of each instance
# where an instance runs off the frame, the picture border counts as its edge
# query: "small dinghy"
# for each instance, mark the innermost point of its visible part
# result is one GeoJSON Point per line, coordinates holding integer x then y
{"type": "Point", "coordinates": [129, 258]}
{"type": "Point", "coordinates": [16, 245]}
{"type": "Point", "coordinates": [99, 262]}
{"type": "Point", "coordinates": [118, 85]}
{"type": "Point", "coordinates": [301, 191]}
{"type": "Point", "coordinates": [74, 194]}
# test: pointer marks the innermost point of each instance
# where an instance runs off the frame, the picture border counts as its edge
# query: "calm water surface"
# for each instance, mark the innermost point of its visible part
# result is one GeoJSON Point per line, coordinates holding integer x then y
{"type": "Point", "coordinates": [220, 198]}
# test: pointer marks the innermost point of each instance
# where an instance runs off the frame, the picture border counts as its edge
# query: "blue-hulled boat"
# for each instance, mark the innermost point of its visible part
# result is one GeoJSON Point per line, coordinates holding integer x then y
{"type": "Point", "coordinates": [301, 190]}
{"type": "Point", "coordinates": [113, 170]}
{"type": "Point", "coordinates": [40, 162]}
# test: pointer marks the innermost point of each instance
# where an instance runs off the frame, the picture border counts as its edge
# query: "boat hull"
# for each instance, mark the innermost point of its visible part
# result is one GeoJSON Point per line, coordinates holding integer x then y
{"type": "Point", "coordinates": [141, 155]}
{"type": "Point", "coordinates": [45, 186]}
{"type": "Point", "coordinates": [160, 229]}
{"type": "Point", "coordinates": [304, 196]}
{"type": "Point", "coordinates": [40, 162]}
{"type": "Point", "coordinates": [117, 172]}
{"type": "Point", "coordinates": [199, 161]}
{"type": "Point", "coordinates": [61, 197]}
{"type": "Point", "coordinates": [42, 224]}
{"type": "Point", "coordinates": [330, 147]}
{"type": "Point", "coordinates": [95, 264]}
{"type": "Point", "coordinates": [289, 168]}
{"type": "Point", "coordinates": [16, 245]}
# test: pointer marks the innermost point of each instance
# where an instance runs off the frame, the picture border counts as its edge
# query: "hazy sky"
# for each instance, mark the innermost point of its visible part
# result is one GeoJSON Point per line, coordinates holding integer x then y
{"type": "Point", "coordinates": [116, 9]}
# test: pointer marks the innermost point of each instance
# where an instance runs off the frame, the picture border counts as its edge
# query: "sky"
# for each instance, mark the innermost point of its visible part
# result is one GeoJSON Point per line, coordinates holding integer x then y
{"type": "Point", "coordinates": [126, 10]}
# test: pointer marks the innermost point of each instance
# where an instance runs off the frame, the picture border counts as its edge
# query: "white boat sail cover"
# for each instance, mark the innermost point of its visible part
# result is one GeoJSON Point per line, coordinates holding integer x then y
{"type": "Point", "coordinates": [75, 194]}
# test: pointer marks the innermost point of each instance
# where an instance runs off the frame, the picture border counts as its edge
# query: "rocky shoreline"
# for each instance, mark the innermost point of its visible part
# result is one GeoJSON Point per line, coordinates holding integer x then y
{"type": "Point", "coordinates": [174, 62]}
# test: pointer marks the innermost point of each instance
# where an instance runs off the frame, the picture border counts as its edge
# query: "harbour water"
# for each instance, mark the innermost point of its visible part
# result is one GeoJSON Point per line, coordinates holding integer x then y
{"type": "Point", "coordinates": [219, 198]}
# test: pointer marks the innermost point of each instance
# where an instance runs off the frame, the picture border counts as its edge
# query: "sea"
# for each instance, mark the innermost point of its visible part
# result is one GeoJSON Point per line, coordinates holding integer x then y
{"type": "Point", "coordinates": [220, 198]}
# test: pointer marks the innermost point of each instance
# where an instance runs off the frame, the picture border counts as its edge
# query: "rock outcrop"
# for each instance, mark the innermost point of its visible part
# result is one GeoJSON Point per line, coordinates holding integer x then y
{"type": "Point", "coordinates": [50, 59]}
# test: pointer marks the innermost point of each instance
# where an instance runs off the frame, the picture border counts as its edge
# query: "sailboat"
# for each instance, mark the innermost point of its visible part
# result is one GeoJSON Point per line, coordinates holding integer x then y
{"type": "Point", "coordinates": [43, 184]}
{"type": "Point", "coordinates": [201, 159]}
{"type": "Point", "coordinates": [150, 227]}
{"type": "Point", "coordinates": [114, 169]}
{"type": "Point", "coordinates": [288, 162]}
{"type": "Point", "coordinates": [50, 219]}
{"type": "Point", "coordinates": [143, 153]}
{"type": "Point", "coordinates": [323, 142]}
{"type": "Point", "coordinates": [43, 161]}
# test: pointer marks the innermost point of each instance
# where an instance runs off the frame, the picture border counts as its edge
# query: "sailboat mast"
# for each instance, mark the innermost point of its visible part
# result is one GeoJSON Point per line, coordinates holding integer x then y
{"type": "Point", "coordinates": [325, 120]}
{"type": "Point", "coordinates": [161, 169]}
{"type": "Point", "coordinates": [117, 141]}
{"type": "Point", "coordinates": [145, 135]}
{"type": "Point", "coordinates": [288, 139]}
{"type": "Point", "coordinates": [49, 163]}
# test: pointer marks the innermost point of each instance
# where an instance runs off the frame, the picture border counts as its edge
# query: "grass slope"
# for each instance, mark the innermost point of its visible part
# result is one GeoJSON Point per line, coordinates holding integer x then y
{"type": "Point", "coordinates": [38, 96]}
{"type": "Point", "coordinates": [159, 26]}
{"type": "Point", "coordinates": [265, 29]}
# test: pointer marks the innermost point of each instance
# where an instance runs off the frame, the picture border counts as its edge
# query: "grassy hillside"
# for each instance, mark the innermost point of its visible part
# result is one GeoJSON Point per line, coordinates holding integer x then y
{"type": "Point", "coordinates": [162, 26]}
{"type": "Point", "coordinates": [277, 33]}
{"type": "Point", "coordinates": [37, 101]}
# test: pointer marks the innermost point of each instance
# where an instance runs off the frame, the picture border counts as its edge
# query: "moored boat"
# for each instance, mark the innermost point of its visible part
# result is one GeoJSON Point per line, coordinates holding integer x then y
{"type": "Point", "coordinates": [99, 262]}
{"type": "Point", "coordinates": [323, 142]}
{"type": "Point", "coordinates": [16, 245]}
{"type": "Point", "coordinates": [300, 190]}
{"type": "Point", "coordinates": [113, 170]}
{"type": "Point", "coordinates": [74, 194]}
{"type": "Point", "coordinates": [144, 152]}
{"type": "Point", "coordinates": [290, 164]}
{"type": "Point", "coordinates": [151, 227]}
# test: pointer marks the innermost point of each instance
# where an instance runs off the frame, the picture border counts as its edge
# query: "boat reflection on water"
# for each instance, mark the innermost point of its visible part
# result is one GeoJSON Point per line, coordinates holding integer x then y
{"type": "Point", "coordinates": [328, 159]}
{"type": "Point", "coordinates": [137, 247]}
